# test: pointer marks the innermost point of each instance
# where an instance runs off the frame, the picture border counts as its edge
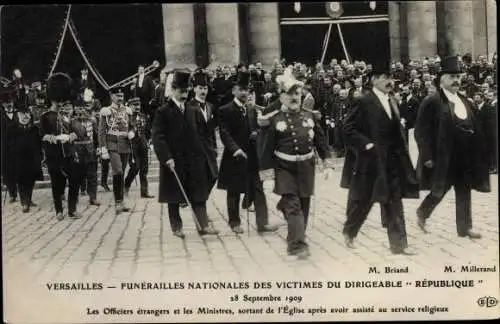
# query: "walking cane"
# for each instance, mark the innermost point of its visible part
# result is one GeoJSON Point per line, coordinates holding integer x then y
{"type": "Point", "coordinates": [198, 227]}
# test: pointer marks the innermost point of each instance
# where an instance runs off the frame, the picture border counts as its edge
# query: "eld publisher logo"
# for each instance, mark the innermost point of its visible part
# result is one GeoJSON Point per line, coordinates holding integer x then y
{"type": "Point", "coordinates": [487, 301]}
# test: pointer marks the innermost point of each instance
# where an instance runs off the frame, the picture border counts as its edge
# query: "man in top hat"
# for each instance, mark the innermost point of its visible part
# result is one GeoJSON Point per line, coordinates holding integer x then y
{"type": "Point", "coordinates": [239, 168]}
{"type": "Point", "coordinates": [85, 86]}
{"type": "Point", "coordinates": [169, 136]}
{"type": "Point", "coordinates": [115, 133]}
{"type": "Point", "coordinates": [291, 135]}
{"type": "Point", "coordinates": [139, 157]}
{"type": "Point", "coordinates": [9, 140]}
{"type": "Point", "coordinates": [201, 169]}
{"type": "Point", "coordinates": [143, 87]}
{"type": "Point", "coordinates": [59, 132]}
{"type": "Point", "coordinates": [87, 149]}
{"type": "Point", "coordinates": [452, 149]}
{"type": "Point", "coordinates": [377, 166]}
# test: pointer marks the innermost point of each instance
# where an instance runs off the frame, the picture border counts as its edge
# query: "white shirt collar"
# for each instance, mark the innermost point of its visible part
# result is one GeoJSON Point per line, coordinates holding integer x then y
{"type": "Point", "coordinates": [199, 100]}
{"type": "Point", "coordinates": [178, 103]}
{"type": "Point", "coordinates": [238, 103]}
{"type": "Point", "coordinates": [382, 96]}
{"type": "Point", "coordinates": [451, 97]}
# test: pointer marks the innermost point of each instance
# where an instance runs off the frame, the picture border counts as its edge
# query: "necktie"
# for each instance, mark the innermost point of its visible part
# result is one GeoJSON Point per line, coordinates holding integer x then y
{"type": "Point", "coordinates": [389, 112]}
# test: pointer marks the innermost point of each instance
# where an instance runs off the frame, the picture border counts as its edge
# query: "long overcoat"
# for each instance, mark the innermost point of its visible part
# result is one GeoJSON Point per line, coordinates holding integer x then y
{"type": "Point", "coordinates": [201, 167]}
{"type": "Point", "coordinates": [169, 133]}
{"type": "Point", "coordinates": [365, 172]}
{"type": "Point", "coordinates": [434, 137]}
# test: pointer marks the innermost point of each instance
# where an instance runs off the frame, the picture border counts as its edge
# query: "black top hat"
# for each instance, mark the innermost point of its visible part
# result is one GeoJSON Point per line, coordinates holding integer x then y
{"type": "Point", "coordinates": [59, 87]}
{"type": "Point", "coordinates": [243, 80]}
{"type": "Point", "coordinates": [451, 65]}
{"type": "Point", "coordinates": [7, 94]}
{"type": "Point", "coordinates": [379, 68]}
{"type": "Point", "coordinates": [200, 78]}
{"type": "Point", "coordinates": [181, 79]}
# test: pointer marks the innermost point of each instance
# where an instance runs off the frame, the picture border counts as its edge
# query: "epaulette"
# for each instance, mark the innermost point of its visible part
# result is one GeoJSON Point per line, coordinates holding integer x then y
{"type": "Point", "coordinates": [106, 111]}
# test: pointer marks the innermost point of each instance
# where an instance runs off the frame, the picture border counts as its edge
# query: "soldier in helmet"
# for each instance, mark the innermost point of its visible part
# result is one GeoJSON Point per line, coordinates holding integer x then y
{"type": "Point", "coordinates": [138, 159]}
{"type": "Point", "coordinates": [59, 132]}
{"type": "Point", "coordinates": [115, 133]}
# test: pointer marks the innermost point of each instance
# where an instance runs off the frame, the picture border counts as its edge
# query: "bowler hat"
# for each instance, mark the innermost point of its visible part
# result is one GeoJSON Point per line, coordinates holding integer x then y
{"type": "Point", "coordinates": [243, 79]}
{"type": "Point", "coordinates": [181, 79]}
{"type": "Point", "coordinates": [451, 65]}
{"type": "Point", "coordinates": [200, 78]}
{"type": "Point", "coordinates": [59, 87]}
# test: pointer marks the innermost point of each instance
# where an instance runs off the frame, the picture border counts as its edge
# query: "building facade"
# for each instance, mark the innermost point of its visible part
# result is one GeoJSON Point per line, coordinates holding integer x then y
{"type": "Point", "coordinates": [229, 33]}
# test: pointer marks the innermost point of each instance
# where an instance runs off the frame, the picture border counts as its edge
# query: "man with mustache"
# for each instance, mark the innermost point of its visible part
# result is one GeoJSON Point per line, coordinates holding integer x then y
{"type": "Point", "coordinates": [291, 134]}
{"type": "Point", "coordinates": [169, 137]}
{"type": "Point", "coordinates": [377, 166]}
{"type": "Point", "coordinates": [201, 167]}
{"type": "Point", "coordinates": [115, 133]}
{"type": "Point", "coordinates": [452, 150]}
{"type": "Point", "coordinates": [239, 168]}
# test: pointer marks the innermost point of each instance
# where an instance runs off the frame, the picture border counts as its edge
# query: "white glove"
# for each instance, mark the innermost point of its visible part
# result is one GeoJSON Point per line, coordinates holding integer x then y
{"type": "Point", "coordinates": [170, 164]}
{"type": "Point", "coordinates": [369, 146]}
{"type": "Point", "coordinates": [131, 135]}
{"type": "Point", "coordinates": [104, 153]}
{"type": "Point", "coordinates": [49, 138]}
{"type": "Point", "coordinates": [403, 122]}
{"type": "Point", "coordinates": [72, 137]}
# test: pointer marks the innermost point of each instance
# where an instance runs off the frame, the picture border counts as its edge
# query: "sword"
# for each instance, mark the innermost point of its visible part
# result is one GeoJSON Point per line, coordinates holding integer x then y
{"type": "Point", "coordinates": [198, 227]}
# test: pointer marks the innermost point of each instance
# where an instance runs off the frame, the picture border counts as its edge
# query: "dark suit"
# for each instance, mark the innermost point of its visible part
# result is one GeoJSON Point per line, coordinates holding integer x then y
{"type": "Point", "coordinates": [457, 148]}
{"type": "Point", "coordinates": [145, 92]}
{"type": "Point", "coordinates": [409, 110]}
{"type": "Point", "coordinates": [487, 116]}
{"type": "Point", "coordinates": [169, 134]}
{"type": "Point", "coordinates": [381, 174]}
{"type": "Point", "coordinates": [81, 85]}
{"type": "Point", "coordinates": [9, 142]}
{"type": "Point", "coordinates": [238, 175]}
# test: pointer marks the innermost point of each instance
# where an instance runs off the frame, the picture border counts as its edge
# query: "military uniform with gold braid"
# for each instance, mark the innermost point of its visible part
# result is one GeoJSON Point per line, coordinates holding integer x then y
{"type": "Point", "coordinates": [115, 133]}
{"type": "Point", "coordinates": [59, 133]}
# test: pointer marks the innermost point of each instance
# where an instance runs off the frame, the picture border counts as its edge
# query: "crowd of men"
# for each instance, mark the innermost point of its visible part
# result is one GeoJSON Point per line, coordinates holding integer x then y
{"type": "Point", "coordinates": [281, 119]}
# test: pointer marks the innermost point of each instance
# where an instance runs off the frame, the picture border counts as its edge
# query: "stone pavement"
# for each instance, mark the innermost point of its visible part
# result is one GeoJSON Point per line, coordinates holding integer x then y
{"type": "Point", "coordinates": [103, 246]}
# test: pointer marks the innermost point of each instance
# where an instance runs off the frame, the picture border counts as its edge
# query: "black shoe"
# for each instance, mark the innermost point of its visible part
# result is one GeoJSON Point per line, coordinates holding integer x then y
{"type": "Point", "coordinates": [60, 216]}
{"type": "Point", "coordinates": [421, 223]}
{"type": "Point", "coordinates": [120, 208]}
{"type": "Point", "coordinates": [146, 195]}
{"type": "Point", "coordinates": [32, 204]}
{"type": "Point", "coordinates": [208, 231]}
{"type": "Point", "coordinates": [74, 215]}
{"type": "Point", "coordinates": [237, 229]}
{"type": "Point", "coordinates": [471, 234]}
{"type": "Point", "coordinates": [179, 234]}
{"type": "Point", "coordinates": [105, 186]}
{"type": "Point", "coordinates": [301, 253]}
{"type": "Point", "coordinates": [94, 202]}
{"type": "Point", "coordinates": [267, 229]}
{"type": "Point", "coordinates": [405, 251]}
{"type": "Point", "coordinates": [26, 208]}
{"type": "Point", "coordinates": [349, 241]}
{"type": "Point", "coordinates": [12, 199]}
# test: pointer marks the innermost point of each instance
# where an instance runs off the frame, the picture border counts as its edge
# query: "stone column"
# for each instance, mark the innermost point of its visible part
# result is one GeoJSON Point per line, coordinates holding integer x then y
{"type": "Point", "coordinates": [480, 28]}
{"type": "Point", "coordinates": [422, 30]}
{"type": "Point", "coordinates": [491, 27]}
{"type": "Point", "coordinates": [394, 30]}
{"type": "Point", "coordinates": [264, 30]}
{"type": "Point", "coordinates": [179, 34]}
{"type": "Point", "coordinates": [223, 33]}
{"type": "Point", "coordinates": [458, 27]}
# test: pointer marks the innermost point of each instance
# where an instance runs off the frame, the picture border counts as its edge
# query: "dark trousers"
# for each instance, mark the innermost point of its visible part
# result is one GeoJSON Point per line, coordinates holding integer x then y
{"type": "Point", "coordinates": [392, 216]}
{"type": "Point", "coordinates": [338, 140]}
{"type": "Point", "coordinates": [200, 211]}
{"type": "Point", "coordinates": [256, 191]}
{"type": "Point", "coordinates": [25, 190]}
{"type": "Point", "coordinates": [9, 180]}
{"type": "Point", "coordinates": [59, 172]}
{"type": "Point", "coordinates": [462, 207]}
{"type": "Point", "coordinates": [296, 211]}
{"type": "Point", "coordinates": [174, 217]}
{"type": "Point", "coordinates": [118, 163]}
{"type": "Point", "coordinates": [89, 183]}
{"type": "Point", "coordinates": [104, 171]}
{"type": "Point", "coordinates": [139, 163]}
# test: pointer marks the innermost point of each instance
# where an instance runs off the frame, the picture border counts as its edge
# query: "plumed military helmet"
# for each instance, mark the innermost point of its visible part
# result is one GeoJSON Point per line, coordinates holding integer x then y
{"type": "Point", "coordinates": [59, 88]}
{"type": "Point", "coordinates": [287, 82]}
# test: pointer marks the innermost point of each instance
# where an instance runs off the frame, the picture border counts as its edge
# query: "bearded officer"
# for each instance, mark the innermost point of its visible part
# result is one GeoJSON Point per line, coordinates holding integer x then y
{"type": "Point", "coordinates": [59, 132]}
{"type": "Point", "coordinates": [139, 162]}
{"type": "Point", "coordinates": [452, 150]}
{"type": "Point", "coordinates": [290, 136]}
{"type": "Point", "coordinates": [377, 166]}
{"type": "Point", "coordinates": [201, 170]}
{"type": "Point", "coordinates": [169, 137]}
{"type": "Point", "coordinates": [115, 133]}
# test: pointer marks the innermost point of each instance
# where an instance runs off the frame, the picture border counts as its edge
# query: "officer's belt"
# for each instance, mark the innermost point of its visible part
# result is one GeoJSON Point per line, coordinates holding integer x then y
{"type": "Point", "coordinates": [294, 158]}
{"type": "Point", "coordinates": [117, 133]}
{"type": "Point", "coordinates": [83, 142]}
